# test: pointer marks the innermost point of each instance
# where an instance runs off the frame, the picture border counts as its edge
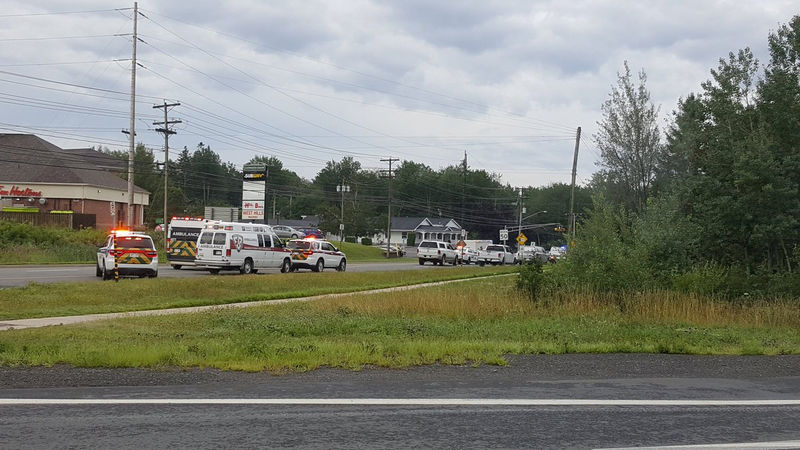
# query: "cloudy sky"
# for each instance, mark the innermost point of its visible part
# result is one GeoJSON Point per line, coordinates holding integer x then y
{"type": "Point", "coordinates": [507, 82]}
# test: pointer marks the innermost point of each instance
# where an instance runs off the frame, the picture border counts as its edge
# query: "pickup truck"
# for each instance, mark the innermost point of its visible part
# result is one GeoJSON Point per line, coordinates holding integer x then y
{"type": "Point", "coordinates": [496, 254]}
{"type": "Point", "coordinates": [437, 252]}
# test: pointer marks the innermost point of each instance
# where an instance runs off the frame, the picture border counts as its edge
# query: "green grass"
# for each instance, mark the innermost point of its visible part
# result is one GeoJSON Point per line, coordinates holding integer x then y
{"type": "Point", "coordinates": [478, 321]}
{"type": "Point", "coordinates": [63, 299]}
{"type": "Point", "coordinates": [22, 243]}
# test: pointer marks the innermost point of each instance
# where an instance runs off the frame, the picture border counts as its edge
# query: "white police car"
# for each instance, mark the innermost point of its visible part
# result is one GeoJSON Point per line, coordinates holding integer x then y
{"type": "Point", "coordinates": [134, 252]}
{"type": "Point", "coordinates": [316, 254]}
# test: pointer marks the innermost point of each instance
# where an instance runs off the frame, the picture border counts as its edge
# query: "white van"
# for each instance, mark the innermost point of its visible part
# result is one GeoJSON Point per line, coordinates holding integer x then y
{"type": "Point", "coordinates": [245, 247]}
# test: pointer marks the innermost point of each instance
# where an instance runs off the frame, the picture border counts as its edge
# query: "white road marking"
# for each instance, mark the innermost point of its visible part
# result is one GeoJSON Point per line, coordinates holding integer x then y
{"type": "Point", "coordinates": [759, 445]}
{"type": "Point", "coordinates": [389, 402]}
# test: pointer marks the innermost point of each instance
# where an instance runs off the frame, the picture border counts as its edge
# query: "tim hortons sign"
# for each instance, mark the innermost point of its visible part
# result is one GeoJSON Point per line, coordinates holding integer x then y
{"type": "Point", "coordinates": [17, 191]}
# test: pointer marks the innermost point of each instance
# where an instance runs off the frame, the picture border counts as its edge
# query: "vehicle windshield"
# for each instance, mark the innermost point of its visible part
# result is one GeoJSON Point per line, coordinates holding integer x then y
{"type": "Point", "coordinates": [494, 248]}
{"type": "Point", "coordinates": [299, 245]}
{"type": "Point", "coordinates": [134, 242]}
{"type": "Point", "coordinates": [205, 238]}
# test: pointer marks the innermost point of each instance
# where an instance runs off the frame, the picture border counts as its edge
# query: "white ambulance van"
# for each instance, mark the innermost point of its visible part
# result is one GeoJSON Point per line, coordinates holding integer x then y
{"type": "Point", "coordinates": [245, 247]}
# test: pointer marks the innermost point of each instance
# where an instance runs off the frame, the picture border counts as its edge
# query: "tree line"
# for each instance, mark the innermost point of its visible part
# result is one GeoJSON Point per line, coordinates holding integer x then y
{"type": "Point", "coordinates": [713, 202]}
{"type": "Point", "coordinates": [475, 198]}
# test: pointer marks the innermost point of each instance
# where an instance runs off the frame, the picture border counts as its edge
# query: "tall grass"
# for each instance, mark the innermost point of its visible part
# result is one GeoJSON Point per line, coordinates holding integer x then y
{"type": "Point", "coordinates": [479, 321]}
{"type": "Point", "coordinates": [22, 243]}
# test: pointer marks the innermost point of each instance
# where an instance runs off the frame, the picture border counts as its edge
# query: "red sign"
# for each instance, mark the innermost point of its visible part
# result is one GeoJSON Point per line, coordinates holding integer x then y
{"type": "Point", "coordinates": [16, 191]}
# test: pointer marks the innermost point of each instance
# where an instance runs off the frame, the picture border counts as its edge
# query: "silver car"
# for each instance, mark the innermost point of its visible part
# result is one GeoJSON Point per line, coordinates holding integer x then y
{"type": "Point", "coordinates": [287, 232]}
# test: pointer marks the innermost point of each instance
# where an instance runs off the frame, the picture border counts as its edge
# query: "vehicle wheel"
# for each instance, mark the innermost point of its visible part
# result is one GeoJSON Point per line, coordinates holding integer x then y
{"type": "Point", "coordinates": [320, 266]}
{"type": "Point", "coordinates": [481, 263]}
{"type": "Point", "coordinates": [153, 275]}
{"type": "Point", "coordinates": [294, 236]}
{"type": "Point", "coordinates": [105, 274]}
{"type": "Point", "coordinates": [455, 260]}
{"type": "Point", "coordinates": [286, 265]}
{"type": "Point", "coordinates": [254, 271]}
{"type": "Point", "coordinates": [177, 267]}
{"type": "Point", "coordinates": [213, 271]}
{"type": "Point", "coordinates": [441, 263]}
{"type": "Point", "coordinates": [97, 271]}
{"type": "Point", "coordinates": [421, 262]}
{"type": "Point", "coordinates": [342, 265]}
{"type": "Point", "coordinates": [247, 267]}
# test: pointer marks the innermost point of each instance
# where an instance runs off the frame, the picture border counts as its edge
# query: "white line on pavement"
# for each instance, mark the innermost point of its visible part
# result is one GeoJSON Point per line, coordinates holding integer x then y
{"type": "Point", "coordinates": [754, 445]}
{"type": "Point", "coordinates": [389, 402]}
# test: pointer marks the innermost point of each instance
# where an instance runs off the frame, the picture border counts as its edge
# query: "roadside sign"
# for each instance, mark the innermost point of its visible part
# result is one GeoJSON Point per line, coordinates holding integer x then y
{"type": "Point", "coordinates": [341, 227]}
{"type": "Point", "coordinates": [503, 234]}
{"type": "Point", "coordinates": [113, 207]}
{"type": "Point", "coordinates": [521, 239]}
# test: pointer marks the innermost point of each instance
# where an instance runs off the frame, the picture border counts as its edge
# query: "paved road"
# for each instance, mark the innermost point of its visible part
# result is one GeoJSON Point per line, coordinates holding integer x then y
{"type": "Point", "coordinates": [11, 276]}
{"type": "Point", "coordinates": [225, 419]}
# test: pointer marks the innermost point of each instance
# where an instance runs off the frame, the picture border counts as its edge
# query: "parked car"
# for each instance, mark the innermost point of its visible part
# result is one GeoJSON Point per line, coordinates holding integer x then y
{"type": "Point", "coordinates": [394, 251]}
{"type": "Point", "coordinates": [530, 253]}
{"type": "Point", "coordinates": [315, 233]}
{"type": "Point", "coordinates": [496, 254]}
{"type": "Point", "coordinates": [315, 254]}
{"type": "Point", "coordinates": [287, 232]}
{"type": "Point", "coordinates": [466, 255]}
{"type": "Point", "coordinates": [555, 254]}
{"type": "Point", "coordinates": [437, 252]}
{"type": "Point", "coordinates": [132, 252]}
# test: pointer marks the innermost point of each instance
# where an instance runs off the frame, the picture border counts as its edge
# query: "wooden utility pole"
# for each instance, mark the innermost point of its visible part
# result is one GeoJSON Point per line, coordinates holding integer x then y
{"type": "Point", "coordinates": [132, 131]}
{"type": "Point", "coordinates": [167, 131]}
{"type": "Point", "coordinates": [389, 175]}
{"type": "Point", "coordinates": [572, 191]}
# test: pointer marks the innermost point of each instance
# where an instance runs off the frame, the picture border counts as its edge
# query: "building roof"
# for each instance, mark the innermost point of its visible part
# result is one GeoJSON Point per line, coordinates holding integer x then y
{"type": "Point", "coordinates": [414, 223]}
{"type": "Point", "coordinates": [407, 223]}
{"type": "Point", "coordinates": [99, 159]}
{"type": "Point", "coordinates": [30, 159]}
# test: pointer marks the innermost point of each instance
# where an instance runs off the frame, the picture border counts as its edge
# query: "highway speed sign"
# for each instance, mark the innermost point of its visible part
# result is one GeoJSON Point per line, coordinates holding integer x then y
{"type": "Point", "coordinates": [521, 239]}
{"type": "Point", "coordinates": [503, 234]}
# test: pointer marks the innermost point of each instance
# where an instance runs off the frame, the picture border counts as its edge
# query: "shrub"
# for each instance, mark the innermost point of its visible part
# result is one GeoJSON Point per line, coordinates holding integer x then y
{"type": "Point", "coordinates": [412, 239]}
{"type": "Point", "coordinates": [366, 241]}
{"type": "Point", "coordinates": [531, 279]}
{"type": "Point", "coordinates": [350, 239]}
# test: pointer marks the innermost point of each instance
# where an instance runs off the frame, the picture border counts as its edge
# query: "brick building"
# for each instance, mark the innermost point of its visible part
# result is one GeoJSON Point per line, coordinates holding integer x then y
{"type": "Point", "coordinates": [35, 174]}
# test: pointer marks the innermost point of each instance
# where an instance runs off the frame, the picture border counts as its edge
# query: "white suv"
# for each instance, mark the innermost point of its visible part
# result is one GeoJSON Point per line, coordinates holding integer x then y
{"type": "Point", "coordinates": [316, 255]}
{"type": "Point", "coordinates": [437, 252]}
{"type": "Point", "coordinates": [134, 252]}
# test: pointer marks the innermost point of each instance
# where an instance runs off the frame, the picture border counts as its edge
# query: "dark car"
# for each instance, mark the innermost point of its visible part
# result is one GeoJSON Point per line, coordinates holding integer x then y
{"type": "Point", "coordinates": [312, 232]}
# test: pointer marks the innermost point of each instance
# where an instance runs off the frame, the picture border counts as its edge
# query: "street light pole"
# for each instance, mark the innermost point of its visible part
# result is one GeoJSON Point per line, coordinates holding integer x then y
{"type": "Point", "coordinates": [519, 229]}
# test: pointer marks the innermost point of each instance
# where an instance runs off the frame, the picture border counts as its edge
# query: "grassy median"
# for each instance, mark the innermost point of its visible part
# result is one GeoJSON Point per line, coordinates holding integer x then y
{"type": "Point", "coordinates": [68, 299]}
{"type": "Point", "coordinates": [472, 322]}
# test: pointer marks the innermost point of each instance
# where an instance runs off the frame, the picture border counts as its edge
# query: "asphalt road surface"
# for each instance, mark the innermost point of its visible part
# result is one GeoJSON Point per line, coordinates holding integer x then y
{"type": "Point", "coordinates": [538, 401]}
{"type": "Point", "coordinates": [11, 276]}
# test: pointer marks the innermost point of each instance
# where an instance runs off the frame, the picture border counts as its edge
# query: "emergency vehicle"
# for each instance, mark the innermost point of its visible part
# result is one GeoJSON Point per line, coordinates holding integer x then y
{"type": "Point", "coordinates": [245, 247]}
{"type": "Point", "coordinates": [132, 253]}
{"type": "Point", "coordinates": [182, 235]}
{"type": "Point", "coordinates": [316, 254]}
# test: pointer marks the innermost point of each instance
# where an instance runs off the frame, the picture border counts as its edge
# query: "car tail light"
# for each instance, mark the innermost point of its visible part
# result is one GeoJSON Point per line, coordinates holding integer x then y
{"type": "Point", "coordinates": [228, 252]}
{"type": "Point", "coordinates": [150, 253]}
{"type": "Point", "coordinates": [499, 255]}
{"type": "Point", "coordinates": [438, 252]}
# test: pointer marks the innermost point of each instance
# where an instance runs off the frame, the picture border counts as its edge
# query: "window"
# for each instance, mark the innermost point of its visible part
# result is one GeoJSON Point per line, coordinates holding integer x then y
{"type": "Point", "coordinates": [300, 245]}
{"type": "Point", "coordinates": [260, 240]}
{"type": "Point", "coordinates": [428, 244]}
{"type": "Point", "coordinates": [328, 247]}
{"type": "Point", "coordinates": [276, 241]}
{"type": "Point", "coordinates": [134, 242]}
{"type": "Point", "coordinates": [206, 237]}
{"type": "Point", "coordinates": [220, 238]}
{"type": "Point", "coordinates": [495, 248]}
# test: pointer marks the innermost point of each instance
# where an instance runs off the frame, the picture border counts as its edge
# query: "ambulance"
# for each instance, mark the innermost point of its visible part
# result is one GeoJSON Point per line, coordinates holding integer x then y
{"type": "Point", "coordinates": [245, 247]}
{"type": "Point", "coordinates": [182, 235]}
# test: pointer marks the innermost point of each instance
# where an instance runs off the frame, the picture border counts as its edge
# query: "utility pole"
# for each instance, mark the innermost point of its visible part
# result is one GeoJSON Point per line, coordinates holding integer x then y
{"type": "Point", "coordinates": [132, 131]}
{"type": "Point", "coordinates": [266, 193]}
{"type": "Point", "coordinates": [166, 130]}
{"type": "Point", "coordinates": [463, 187]}
{"type": "Point", "coordinates": [342, 188]}
{"type": "Point", "coordinates": [572, 191]}
{"type": "Point", "coordinates": [519, 228]}
{"type": "Point", "coordinates": [390, 160]}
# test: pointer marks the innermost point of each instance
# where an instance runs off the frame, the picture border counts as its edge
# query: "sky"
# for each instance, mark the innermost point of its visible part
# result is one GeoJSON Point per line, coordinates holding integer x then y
{"type": "Point", "coordinates": [506, 82]}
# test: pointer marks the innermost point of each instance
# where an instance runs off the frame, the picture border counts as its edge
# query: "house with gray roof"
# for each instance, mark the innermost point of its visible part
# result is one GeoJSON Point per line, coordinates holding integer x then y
{"type": "Point", "coordinates": [423, 228]}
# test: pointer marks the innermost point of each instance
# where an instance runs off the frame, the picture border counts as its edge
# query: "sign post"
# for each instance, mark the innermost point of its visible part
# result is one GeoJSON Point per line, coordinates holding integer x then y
{"type": "Point", "coordinates": [254, 192]}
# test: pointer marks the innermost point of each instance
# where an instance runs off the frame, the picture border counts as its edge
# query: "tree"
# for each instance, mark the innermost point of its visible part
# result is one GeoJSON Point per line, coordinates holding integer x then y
{"type": "Point", "coordinates": [629, 141]}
